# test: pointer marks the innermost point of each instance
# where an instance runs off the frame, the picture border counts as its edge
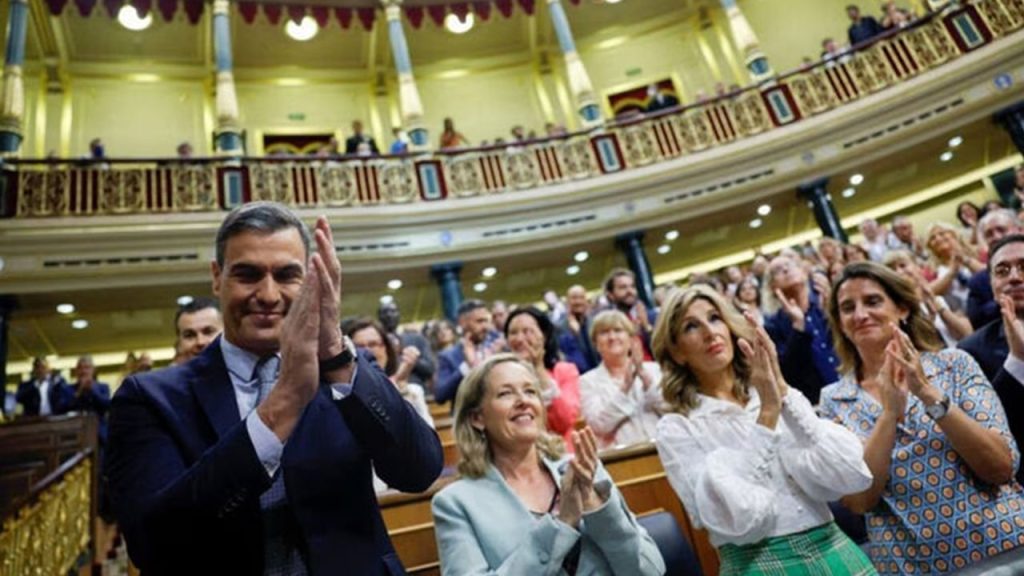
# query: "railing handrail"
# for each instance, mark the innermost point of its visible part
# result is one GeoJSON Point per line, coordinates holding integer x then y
{"type": "Point", "coordinates": [46, 482]}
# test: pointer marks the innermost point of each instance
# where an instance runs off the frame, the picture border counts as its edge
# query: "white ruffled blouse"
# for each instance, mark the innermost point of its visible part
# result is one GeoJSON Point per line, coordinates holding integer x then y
{"type": "Point", "coordinates": [744, 482]}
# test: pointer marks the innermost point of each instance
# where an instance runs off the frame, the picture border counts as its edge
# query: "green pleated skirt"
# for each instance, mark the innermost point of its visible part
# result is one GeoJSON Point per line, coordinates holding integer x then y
{"type": "Point", "coordinates": [821, 551]}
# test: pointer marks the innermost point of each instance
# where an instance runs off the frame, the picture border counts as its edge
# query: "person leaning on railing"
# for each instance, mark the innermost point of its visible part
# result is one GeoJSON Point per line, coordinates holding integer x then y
{"type": "Point", "coordinates": [745, 452]}
{"type": "Point", "coordinates": [934, 431]}
{"type": "Point", "coordinates": [521, 507]}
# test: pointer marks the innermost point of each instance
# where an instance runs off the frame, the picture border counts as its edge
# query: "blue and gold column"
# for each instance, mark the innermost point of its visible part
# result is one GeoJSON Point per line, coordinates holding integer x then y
{"type": "Point", "coordinates": [632, 246]}
{"type": "Point", "coordinates": [12, 105]}
{"type": "Point", "coordinates": [816, 192]}
{"type": "Point", "coordinates": [228, 132]}
{"type": "Point", "coordinates": [450, 285]}
{"type": "Point", "coordinates": [408, 94]}
{"type": "Point", "coordinates": [747, 42]}
{"type": "Point", "coordinates": [579, 80]}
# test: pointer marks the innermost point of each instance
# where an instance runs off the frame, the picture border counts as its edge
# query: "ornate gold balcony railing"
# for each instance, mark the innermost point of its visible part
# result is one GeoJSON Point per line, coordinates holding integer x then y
{"type": "Point", "coordinates": [59, 188]}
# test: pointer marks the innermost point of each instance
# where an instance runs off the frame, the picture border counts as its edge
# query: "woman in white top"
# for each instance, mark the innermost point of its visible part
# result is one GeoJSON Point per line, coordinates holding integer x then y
{"type": "Point", "coordinates": [748, 456]}
{"type": "Point", "coordinates": [621, 398]}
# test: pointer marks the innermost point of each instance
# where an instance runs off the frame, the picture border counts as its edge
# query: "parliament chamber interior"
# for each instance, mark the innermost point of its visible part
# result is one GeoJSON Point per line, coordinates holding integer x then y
{"type": "Point", "coordinates": [556, 185]}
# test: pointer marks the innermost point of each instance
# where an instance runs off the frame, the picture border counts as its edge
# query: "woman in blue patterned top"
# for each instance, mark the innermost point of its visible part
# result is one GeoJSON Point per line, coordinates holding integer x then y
{"type": "Point", "coordinates": [935, 434]}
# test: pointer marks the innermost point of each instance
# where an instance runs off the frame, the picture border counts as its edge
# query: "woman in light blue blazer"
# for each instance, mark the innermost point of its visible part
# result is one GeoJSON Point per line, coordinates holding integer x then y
{"type": "Point", "coordinates": [521, 507]}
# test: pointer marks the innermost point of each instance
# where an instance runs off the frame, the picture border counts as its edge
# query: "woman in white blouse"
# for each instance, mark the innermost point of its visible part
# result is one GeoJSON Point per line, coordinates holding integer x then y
{"type": "Point", "coordinates": [748, 456]}
{"type": "Point", "coordinates": [621, 398]}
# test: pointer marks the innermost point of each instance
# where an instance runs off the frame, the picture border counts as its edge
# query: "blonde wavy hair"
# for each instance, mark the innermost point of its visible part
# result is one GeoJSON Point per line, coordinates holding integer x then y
{"type": "Point", "coordinates": [679, 384]}
{"type": "Point", "coordinates": [474, 448]}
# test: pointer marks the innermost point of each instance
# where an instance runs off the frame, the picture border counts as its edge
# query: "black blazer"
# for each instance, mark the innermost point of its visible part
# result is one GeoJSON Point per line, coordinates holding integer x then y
{"type": "Point", "coordinates": [61, 396]}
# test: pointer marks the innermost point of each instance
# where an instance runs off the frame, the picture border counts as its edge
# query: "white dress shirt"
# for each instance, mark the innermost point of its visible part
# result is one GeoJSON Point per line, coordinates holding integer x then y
{"type": "Point", "coordinates": [621, 418]}
{"type": "Point", "coordinates": [744, 482]}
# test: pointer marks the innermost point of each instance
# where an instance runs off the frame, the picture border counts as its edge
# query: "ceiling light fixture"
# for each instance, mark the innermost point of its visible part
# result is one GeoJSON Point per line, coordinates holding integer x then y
{"type": "Point", "coordinates": [303, 31]}
{"type": "Point", "coordinates": [65, 308]}
{"type": "Point", "coordinates": [764, 209]}
{"type": "Point", "coordinates": [457, 26]}
{"type": "Point", "coordinates": [581, 256]}
{"type": "Point", "coordinates": [572, 270]}
{"type": "Point", "coordinates": [184, 300]}
{"type": "Point", "coordinates": [480, 286]}
{"type": "Point", "coordinates": [129, 17]}
{"type": "Point", "coordinates": [849, 192]}
{"type": "Point", "coordinates": [756, 223]}
{"type": "Point", "coordinates": [387, 299]}
{"type": "Point", "coordinates": [956, 141]}
{"type": "Point", "coordinates": [671, 235]}
{"type": "Point", "coordinates": [857, 179]}
{"type": "Point", "coordinates": [80, 324]}
{"type": "Point", "coordinates": [489, 272]}
{"type": "Point", "coordinates": [946, 156]}
{"type": "Point", "coordinates": [394, 284]}
{"type": "Point", "coordinates": [664, 249]}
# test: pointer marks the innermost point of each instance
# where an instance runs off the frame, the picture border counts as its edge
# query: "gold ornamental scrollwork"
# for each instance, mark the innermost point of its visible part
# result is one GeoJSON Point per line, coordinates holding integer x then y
{"type": "Point", "coordinates": [579, 158]}
{"type": "Point", "coordinates": [48, 536]}
{"type": "Point", "coordinates": [194, 187]}
{"type": "Point", "coordinates": [465, 173]}
{"type": "Point", "coordinates": [398, 182]}
{"type": "Point", "coordinates": [522, 168]}
{"type": "Point", "coordinates": [272, 182]}
{"type": "Point", "coordinates": [43, 193]}
{"type": "Point", "coordinates": [337, 184]}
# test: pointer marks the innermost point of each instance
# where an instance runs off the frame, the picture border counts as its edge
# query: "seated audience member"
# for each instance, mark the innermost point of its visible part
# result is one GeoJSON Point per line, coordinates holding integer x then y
{"type": "Point", "coordinates": [621, 398]}
{"type": "Point", "coordinates": [390, 318]}
{"type": "Point", "coordinates": [478, 342]}
{"type": "Point", "coordinates": [521, 507]}
{"type": "Point", "coordinates": [441, 335]}
{"type": "Point", "coordinates": [904, 238]}
{"type": "Point", "coordinates": [369, 335]}
{"type": "Point", "coordinates": [620, 290]}
{"type": "Point", "coordinates": [967, 213]}
{"type": "Point", "coordinates": [748, 299]}
{"type": "Point", "coordinates": [531, 337]}
{"type": "Point", "coordinates": [829, 251]}
{"type": "Point", "coordinates": [450, 137]}
{"type": "Point", "coordinates": [934, 432]}
{"type": "Point", "coordinates": [855, 253]}
{"type": "Point", "coordinates": [954, 264]}
{"type": "Point", "coordinates": [875, 237]}
{"type": "Point", "coordinates": [862, 28]}
{"type": "Point", "coordinates": [991, 205]}
{"type": "Point", "coordinates": [196, 325]}
{"type": "Point", "coordinates": [800, 327]}
{"type": "Point", "coordinates": [574, 330]}
{"type": "Point", "coordinates": [46, 393]}
{"type": "Point", "coordinates": [499, 314]}
{"type": "Point", "coordinates": [951, 326]}
{"type": "Point", "coordinates": [998, 346]}
{"type": "Point", "coordinates": [1018, 187]}
{"type": "Point", "coordinates": [746, 453]}
{"type": "Point", "coordinates": [894, 17]}
{"type": "Point", "coordinates": [830, 51]}
{"type": "Point", "coordinates": [992, 227]}
{"type": "Point", "coordinates": [89, 395]}
{"type": "Point", "coordinates": [354, 143]}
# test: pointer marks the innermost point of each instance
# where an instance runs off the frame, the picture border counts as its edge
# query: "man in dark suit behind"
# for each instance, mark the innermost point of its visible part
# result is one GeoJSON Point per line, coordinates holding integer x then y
{"type": "Point", "coordinates": [225, 465]}
{"type": "Point", "coordinates": [45, 393]}
{"type": "Point", "coordinates": [999, 345]}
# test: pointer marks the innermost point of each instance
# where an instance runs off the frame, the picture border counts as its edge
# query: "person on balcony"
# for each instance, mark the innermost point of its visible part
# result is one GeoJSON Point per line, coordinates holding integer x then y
{"type": "Point", "coordinates": [450, 137]}
{"type": "Point", "coordinates": [658, 100]}
{"type": "Point", "coordinates": [862, 28]}
{"type": "Point", "coordinates": [353, 142]}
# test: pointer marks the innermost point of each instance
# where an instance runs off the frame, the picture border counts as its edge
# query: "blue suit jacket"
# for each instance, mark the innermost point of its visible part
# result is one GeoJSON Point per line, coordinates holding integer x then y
{"type": "Point", "coordinates": [186, 480]}
{"type": "Point", "coordinates": [448, 375]}
{"type": "Point", "coordinates": [97, 401]}
{"type": "Point", "coordinates": [60, 395]}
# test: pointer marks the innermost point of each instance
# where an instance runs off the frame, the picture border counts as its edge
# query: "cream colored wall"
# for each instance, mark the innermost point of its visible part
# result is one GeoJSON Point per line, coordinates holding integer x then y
{"type": "Point", "coordinates": [484, 105]}
{"type": "Point", "coordinates": [328, 107]}
{"type": "Point", "coordinates": [136, 119]}
{"type": "Point", "coordinates": [32, 121]}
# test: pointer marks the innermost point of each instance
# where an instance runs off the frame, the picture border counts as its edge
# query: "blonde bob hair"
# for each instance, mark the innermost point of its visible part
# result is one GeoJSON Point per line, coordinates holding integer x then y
{"type": "Point", "coordinates": [611, 319]}
{"type": "Point", "coordinates": [473, 445]}
{"type": "Point", "coordinates": [903, 294]}
{"type": "Point", "coordinates": [679, 384]}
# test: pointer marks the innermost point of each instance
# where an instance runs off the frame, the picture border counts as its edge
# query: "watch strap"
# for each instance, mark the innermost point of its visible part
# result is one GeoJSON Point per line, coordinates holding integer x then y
{"type": "Point", "coordinates": [341, 360]}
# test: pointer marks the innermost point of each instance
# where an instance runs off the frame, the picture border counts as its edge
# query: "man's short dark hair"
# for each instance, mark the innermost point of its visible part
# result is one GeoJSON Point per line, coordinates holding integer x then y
{"type": "Point", "coordinates": [1011, 239]}
{"type": "Point", "coordinates": [609, 281]}
{"type": "Point", "coordinates": [262, 218]}
{"type": "Point", "coordinates": [470, 305]}
{"type": "Point", "coordinates": [197, 304]}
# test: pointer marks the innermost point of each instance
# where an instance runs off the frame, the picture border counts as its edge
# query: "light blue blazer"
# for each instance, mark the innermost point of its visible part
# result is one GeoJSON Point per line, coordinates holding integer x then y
{"type": "Point", "coordinates": [482, 527]}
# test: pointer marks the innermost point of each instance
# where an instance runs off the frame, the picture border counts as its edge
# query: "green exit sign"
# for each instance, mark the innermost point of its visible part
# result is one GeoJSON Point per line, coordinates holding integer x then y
{"type": "Point", "coordinates": [297, 116]}
{"type": "Point", "coordinates": [634, 72]}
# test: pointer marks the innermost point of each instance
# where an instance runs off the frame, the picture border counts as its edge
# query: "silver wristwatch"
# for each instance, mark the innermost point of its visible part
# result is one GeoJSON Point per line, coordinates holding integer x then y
{"type": "Point", "coordinates": [939, 409]}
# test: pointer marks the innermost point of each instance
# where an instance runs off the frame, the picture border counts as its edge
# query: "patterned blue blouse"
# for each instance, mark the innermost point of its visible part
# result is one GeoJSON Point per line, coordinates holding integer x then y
{"type": "Point", "coordinates": [934, 515]}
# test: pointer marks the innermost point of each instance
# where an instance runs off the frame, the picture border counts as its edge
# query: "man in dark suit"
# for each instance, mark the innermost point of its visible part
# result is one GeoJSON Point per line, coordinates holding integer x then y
{"type": "Point", "coordinates": [88, 395]}
{"type": "Point", "coordinates": [390, 318]}
{"type": "Point", "coordinates": [45, 393]}
{"type": "Point", "coordinates": [574, 331]}
{"type": "Point", "coordinates": [479, 341]}
{"type": "Point", "coordinates": [862, 28]}
{"type": "Point", "coordinates": [981, 306]}
{"type": "Point", "coordinates": [658, 101]}
{"type": "Point", "coordinates": [999, 345]}
{"type": "Point", "coordinates": [352, 142]}
{"type": "Point", "coordinates": [225, 465]}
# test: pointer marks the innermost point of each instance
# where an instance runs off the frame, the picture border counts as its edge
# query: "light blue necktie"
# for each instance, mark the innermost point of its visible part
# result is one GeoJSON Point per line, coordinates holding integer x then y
{"type": "Point", "coordinates": [280, 557]}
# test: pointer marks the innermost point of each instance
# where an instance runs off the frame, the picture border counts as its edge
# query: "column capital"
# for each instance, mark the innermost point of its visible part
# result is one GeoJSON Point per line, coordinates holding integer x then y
{"type": "Point", "coordinates": [816, 186]}
{"type": "Point", "coordinates": [445, 268]}
{"type": "Point", "coordinates": [221, 6]}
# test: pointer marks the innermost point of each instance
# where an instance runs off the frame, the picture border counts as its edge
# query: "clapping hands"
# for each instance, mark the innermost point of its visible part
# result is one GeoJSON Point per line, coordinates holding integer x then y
{"type": "Point", "coordinates": [578, 494]}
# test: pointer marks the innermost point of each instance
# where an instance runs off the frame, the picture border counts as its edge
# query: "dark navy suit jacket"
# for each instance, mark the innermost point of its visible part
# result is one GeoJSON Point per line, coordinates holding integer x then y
{"type": "Point", "coordinates": [989, 347]}
{"type": "Point", "coordinates": [186, 480]}
{"type": "Point", "coordinates": [59, 392]}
